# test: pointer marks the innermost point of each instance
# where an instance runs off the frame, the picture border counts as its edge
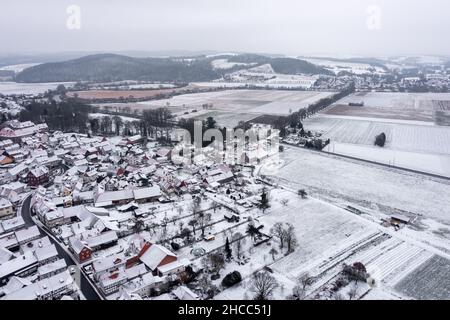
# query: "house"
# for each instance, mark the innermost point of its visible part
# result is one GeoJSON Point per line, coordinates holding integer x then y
{"type": "Point", "coordinates": [156, 257]}
{"type": "Point", "coordinates": [50, 269]}
{"type": "Point", "coordinates": [164, 153]}
{"type": "Point", "coordinates": [6, 208]}
{"type": "Point", "coordinates": [12, 224]}
{"type": "Point", "coordinates": [46, 254]}
{"type": "Point", "coordinates": [80, 249]}
{"type": "Point", "coordinates": [184, 293]}
{"type": "Point", "coordinates": [110, 283]}
{"type": "Point", "coordinates": [134, 140]}
{"type": "Point", "coordinates": [14, 284]}
{"type": "Point", "coordinates": [102, 241]}
{"type": "Point", "coordinates": [4, 160]}
{"type": "Point", "coordinates": [32, 246]}
{"type": "Point", "coordinates": [17, 171]}
{"type": "Point", "coordinates": [27, 235]}
{"type": "Point", "coordinates": [231, 217]}
{"type": "Point", "coordinates": [142, 286]}
{"type": "Point", "coordinates": [115, 197]}
{"type": "Point", "coordinates": [38, 176]}
{"type": "Point", "coordinates": [22, 265]}
{"type": "Point", "coordinates": [149, 194]}
{"type": "Point", "coordinates": [53, 287]}
{"type": "Point", "coordinates": [108, 264]}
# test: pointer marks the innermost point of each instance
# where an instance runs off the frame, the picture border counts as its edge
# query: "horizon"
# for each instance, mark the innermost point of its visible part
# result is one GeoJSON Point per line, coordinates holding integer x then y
{"type": "Point", "coordinates": [375, 28]}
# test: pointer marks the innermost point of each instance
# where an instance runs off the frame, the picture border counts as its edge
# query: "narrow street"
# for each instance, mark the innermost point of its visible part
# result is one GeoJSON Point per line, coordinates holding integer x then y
{"type": "Point", "coordinates": [85, 286]}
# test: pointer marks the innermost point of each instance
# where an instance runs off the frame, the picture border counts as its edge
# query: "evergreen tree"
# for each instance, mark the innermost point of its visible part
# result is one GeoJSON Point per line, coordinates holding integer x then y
{"type": "Point", "coordinates": [227, 249]}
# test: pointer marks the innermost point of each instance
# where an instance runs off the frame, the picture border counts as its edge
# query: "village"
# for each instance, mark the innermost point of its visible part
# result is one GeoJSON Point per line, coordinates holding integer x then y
{"type": "Point", "coordinates": [119, 214]}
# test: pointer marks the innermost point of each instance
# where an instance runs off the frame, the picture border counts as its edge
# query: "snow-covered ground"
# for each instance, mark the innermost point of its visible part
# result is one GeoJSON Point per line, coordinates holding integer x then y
{"type": "Point", "coordinates": [19, 67]}
{"type": "Point", "coordinates": [29, 88]}
{"type": "Point", "coordinates": [224, 64]}
{"type": "Point", "coordinates": [369, 185]}
{"type": "Point", "coordinates": [338, 66]}
{"type": "Point", "coordinates": [244, 101]}
{"type": "Point", "coordinates": [328, 237]}
{"type": "Point", "coordinates": [100, 115]}
{"type": "Point", "coordinates": [431, 163]}
{"type": "Point", "coordinates": [413, 140]}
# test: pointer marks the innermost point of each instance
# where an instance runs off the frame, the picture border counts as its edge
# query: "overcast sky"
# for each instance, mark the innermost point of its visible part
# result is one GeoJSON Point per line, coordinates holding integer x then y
{"type": "Point", "coordinates": [293, 27]}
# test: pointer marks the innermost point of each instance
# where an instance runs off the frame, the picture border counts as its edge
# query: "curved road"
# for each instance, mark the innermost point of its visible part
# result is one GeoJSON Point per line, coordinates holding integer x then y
{"type": "Point", "coordinates": [85, 285]}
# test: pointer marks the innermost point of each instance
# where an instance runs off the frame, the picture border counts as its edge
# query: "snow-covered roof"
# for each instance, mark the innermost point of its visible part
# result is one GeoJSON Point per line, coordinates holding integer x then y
{"type": "Point", "coordinates": [26, 234]}
{"type": "Point", "coordinates": [51, 267]}
{"type": "Point", "coordinates": [17, 264]}
{"type": "Point", "coordinates": [115, 196]}
{"type": "Point", "coordinates": [184, 293]}
{"type": "Point", "coordinates": [155, 255]}
{"type": "Point", "coordinates": [45, 253]}
{"type": "Point", "coordinates": [104, 238]}
{"type": "Point", "coordinates": [145, 193]}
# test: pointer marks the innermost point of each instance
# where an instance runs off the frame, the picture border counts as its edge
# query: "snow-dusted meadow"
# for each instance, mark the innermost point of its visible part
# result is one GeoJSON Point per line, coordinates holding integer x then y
{"type": "Point", "coordinates": [276, 102]}
{"type": "Point", "coordinates": [413, 140]}
{"type": "Point", "coordinates": [7, 88]}
{"type": "Point", "coordinates": [370, 185]}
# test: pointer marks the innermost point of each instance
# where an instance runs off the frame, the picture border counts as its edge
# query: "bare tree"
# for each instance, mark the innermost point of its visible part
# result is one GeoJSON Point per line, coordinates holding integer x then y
{"type": "Point", "coordinates": [279, 232]}
{"type": "Point", "coordinates": [263, 285]}
{"type": "Point", "coordinates": [203, 220]}
{"type": "Point", "coordinates": [193, 224]}
{"type": "Point", "coordinates": [284, 202]}
{"type": "Point", "coordinates": [118, 123]}
{"type": "Point", "coordinates": [216, 261]}
{"type": "Point", "coordinates": [290, 238]}
{"type": "Point", "coordinates": [239, 241]}
{"type": "Point", "coordinates": [353, 292]}
{"type": "Point", "coordinates": [208, 289]}
{"type": "Point", "coordinates": [273, 252]}
{"type": "Point", "coordinates": [305, 280]}
{"type": "Point", "coordinates": [298, 293]}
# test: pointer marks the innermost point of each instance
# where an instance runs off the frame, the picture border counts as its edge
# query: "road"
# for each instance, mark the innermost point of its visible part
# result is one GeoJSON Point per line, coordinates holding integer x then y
{"type": "Point", "coordinates": [85, 286]}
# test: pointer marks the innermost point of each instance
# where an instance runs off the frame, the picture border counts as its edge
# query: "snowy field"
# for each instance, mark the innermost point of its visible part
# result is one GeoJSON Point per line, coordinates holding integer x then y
{"type": "Point", "coordinates": [224, 64]}
{"type": "Point", "coordinates": [322, 230]}
{"type": "Point", "coordinates": [338, 66]}
{"type": "Point", "coordinates": [368, 185]}
{"type": "Point", "coordinates": [328, 237]}
{"type": "Point", "coordinates": [18, 67]}
{"type": "Point", "coordinates": [100, 115]}
{"type": "Point", "coordinates": [431, 163]}
{"type": "Point", "coordinates": [413, 140]}
{"type": "Point", "coordinates": [276, 102]}
{"type": "Point", "coordinates": [405, 137]}
{"type": "Point", "coordinates": [390, 105]}
{"type": "Point", "coordinates": [29, 88]}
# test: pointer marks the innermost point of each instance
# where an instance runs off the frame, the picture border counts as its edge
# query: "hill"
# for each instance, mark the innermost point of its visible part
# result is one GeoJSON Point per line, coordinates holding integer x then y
{"type": "Point", "coordinates": [114, 67]}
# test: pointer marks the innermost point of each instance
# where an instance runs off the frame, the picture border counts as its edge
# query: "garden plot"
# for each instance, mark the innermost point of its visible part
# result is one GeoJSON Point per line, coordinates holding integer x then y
{"type": "Point", "coordinates": [391, 260]}
{"type": "Point", "coordinates": [372, 184]}
{"type": "Point", "coordinates": [244, 101]}
{"type": "Point", "coordinates": [322, 230]}
{"type": "Point", "coordinates": [430, 281]}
